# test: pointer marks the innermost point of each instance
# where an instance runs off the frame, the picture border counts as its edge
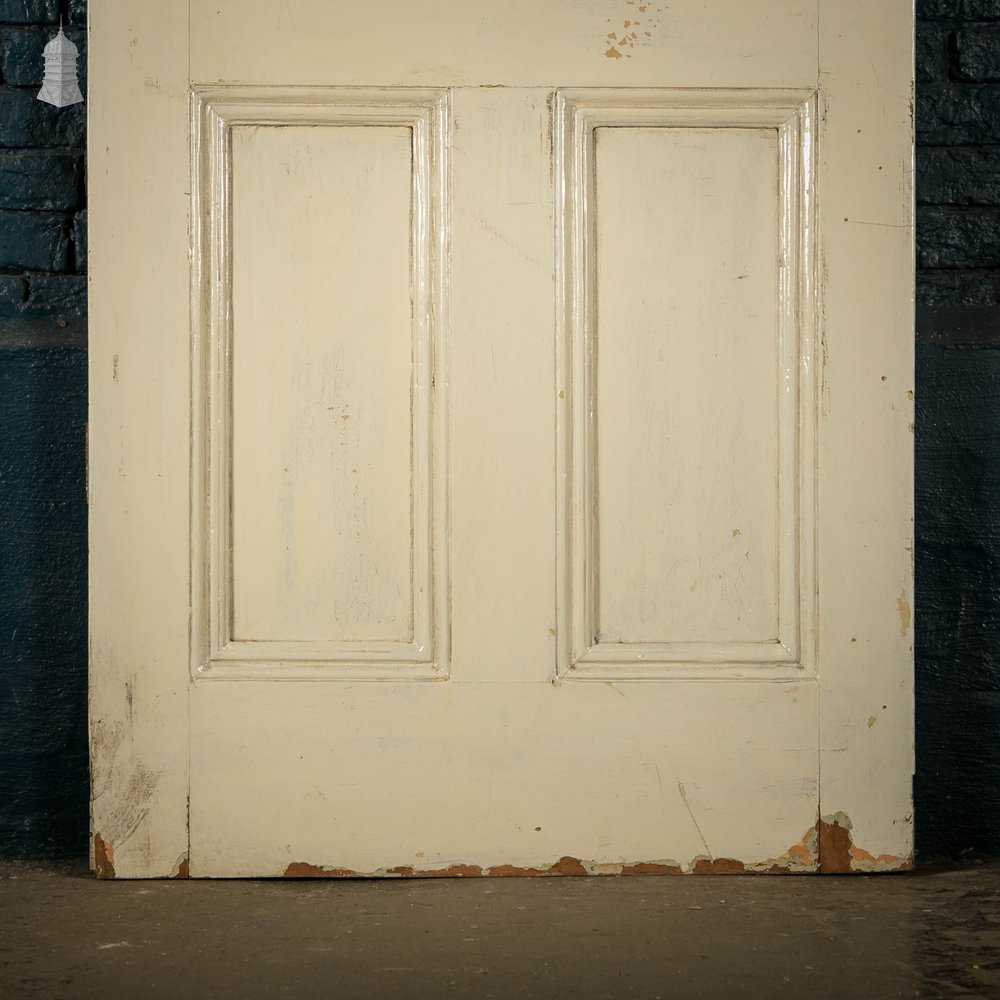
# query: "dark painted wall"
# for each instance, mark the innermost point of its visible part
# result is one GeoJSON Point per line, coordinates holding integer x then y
{"type": "Point", "coordinates": [957, 784]}
{"type": "Point", "coordinates": [43, 768]}
{"type": "Point", "coordinates": [43, 412]}
{"type": "Point", "coordinates": [43, 603]}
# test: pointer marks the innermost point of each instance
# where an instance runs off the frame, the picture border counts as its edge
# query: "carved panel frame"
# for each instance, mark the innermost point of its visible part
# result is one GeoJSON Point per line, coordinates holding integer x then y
{"type": "Point", "coordinates": [215, 654]}
{"type": "Point", "coordinates": [580, 654]}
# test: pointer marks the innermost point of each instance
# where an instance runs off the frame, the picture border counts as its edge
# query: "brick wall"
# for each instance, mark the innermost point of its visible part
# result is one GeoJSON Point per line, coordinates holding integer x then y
{"type": "Point", "coordinates": [43, 215]}
{"type": "Point", "coordinates": [957, 785]}
{"type": "Point", "coordinates": [43, 413]}
{"type": "Point", "coordinates": [958, 166]}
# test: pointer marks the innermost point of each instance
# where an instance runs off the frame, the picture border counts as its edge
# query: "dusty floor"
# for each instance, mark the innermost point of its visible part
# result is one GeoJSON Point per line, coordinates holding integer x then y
{"type": "Point", "coordinates": [931, 934]}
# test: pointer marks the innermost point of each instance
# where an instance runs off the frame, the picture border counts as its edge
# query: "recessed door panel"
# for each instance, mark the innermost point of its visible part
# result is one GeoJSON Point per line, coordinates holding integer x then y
{"type": "Point", "coordinates": [320, 535]}
{"type": "Point", "coordinates": [688, 442]}
{"type": "Point", "coordinates": [322, 364]}
{"type": "Point", "coordinates": [688, 349]}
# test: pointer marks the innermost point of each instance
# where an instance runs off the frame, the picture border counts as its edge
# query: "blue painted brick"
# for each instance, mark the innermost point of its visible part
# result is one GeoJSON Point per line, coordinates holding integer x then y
{"type": "Point", "coordinates": [938, 9]}
{"type": "Point", "coordinates": [978, 51]}
{"type": "Point", "coordinates": [34, 241]}
{"type": "Point", "coordinates": [29, 11]}
{"type": "Point", "coordinates": [958, 599]}
{"type": "Point", "coordinates": [954, 238]}
{"type": "Point", "coordinates": [25, 121]}
{"type": "Point", "coordinates": [958, 115]}
{"type": "Point", "coordinates": [970, 287]}
{"type": "Point", "coordinates": [13, 292]}
{"type": "Point", "coordinates": [21, 55]}
{"type": "Point", "coordinates": [80, 241]}
{"type": "Point", "coordinates": [957, 176]}
{"type": "Point", "coordinates": [40, 181]}
{"type": "Point", "coordinates": [981, 10]}
{"type": "Point", "coordinates": [43, 301]}
{"type": "Point", "coordinates": [43, 603]}
{"type": "Point", "coordinates": [958, 10]}
{"type": "Point", "coordinates": [62, 295]}
{"type": "Point", "coordinates": [932, 56]}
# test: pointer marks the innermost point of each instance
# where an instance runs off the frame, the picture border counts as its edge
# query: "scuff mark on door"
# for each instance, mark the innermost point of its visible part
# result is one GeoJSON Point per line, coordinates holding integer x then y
{"type": "Point", "coordinates": [904, 613]}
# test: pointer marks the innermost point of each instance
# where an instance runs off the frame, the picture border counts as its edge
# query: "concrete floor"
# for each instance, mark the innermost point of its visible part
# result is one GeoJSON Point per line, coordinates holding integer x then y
{"type": "Point", "coordinates": [930, 934]}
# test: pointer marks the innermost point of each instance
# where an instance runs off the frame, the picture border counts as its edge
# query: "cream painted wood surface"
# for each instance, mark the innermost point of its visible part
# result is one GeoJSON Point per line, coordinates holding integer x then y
{"type": "Point", "coordinates": [501, 447]}
{"type": "Point", "coordinates": [321, 416]}
{"type": "Point", "coordinates": [697, 438]}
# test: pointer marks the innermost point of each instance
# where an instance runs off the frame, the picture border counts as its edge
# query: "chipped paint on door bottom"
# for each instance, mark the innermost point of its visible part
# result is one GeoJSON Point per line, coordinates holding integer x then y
{"type": "Point", "coordinates": [104, 858]}
{"type": "Point", "coordinates": [839, 855]}
{"type": "Point", "coordinates": [104, 861]}
{"type": "Point", "coordinates": [827, 847]}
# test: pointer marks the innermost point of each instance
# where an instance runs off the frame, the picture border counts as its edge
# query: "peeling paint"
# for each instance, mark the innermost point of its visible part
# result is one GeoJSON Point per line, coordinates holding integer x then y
{"type": "Point", "coordinates": [839, 855]}
{"type": "Point", "coordinates": [564, 866]}
{"type": "Point", "coordinates": [651, 868]}
{"type": "Point", "coordinates": [826, 847]}
{"type": "Point", "coordinates": [801, 857]}
{"type": "Point", "coordinates": [511, 871]}
{"type": "Point", "coordinates": [452, 871]}
{"type": "Point", "coordinates": [805, 851]}
{"type": "Point", "coordinates": [718, 866]}
{"type": "Point", "coordinates": [627, 36]}
{"type": "Point", "coordinates": [568, 867]}
{"type": "Point", "coordinates": [301, 869]}
{"type": "Point", "coordinates": [104, 858]}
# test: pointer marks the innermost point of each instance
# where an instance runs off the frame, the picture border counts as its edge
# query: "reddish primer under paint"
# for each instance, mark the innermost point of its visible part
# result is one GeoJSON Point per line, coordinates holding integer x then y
{"type": "Point", "coordinates": [564, 866]}
{"type": "Point", "coordinates": [651, 868]}
{"type": "Point", "coordinates": [302, 869]}
{"type": "Point", "coordinates": [512, 871]}
{"type": "Point", "coordinates": [719, 866]}
{"type": "Point", "coordinates": [826, 847]}
{"type": "Point", "coordinates": [838, 854]}
{"type": "Point", "coordinates": [104, 858]}
{"type": "Point", "coordinates": [568, 866]}
{"type": "Point", "coordinates": [834, 848]}
{"type": "Point", "coordinates": [453, 871]}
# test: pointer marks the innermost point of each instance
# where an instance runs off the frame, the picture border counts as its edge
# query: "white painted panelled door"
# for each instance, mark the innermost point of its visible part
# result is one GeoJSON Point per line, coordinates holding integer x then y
{"type": "Point", "coordinates": [500, 437]}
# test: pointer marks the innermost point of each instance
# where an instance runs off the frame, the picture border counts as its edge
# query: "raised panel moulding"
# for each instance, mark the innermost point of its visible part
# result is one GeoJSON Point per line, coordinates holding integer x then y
{"type": "Point", "coordinates": [264, 604]}
{"type": "Point", "coordinates": [686, 282]}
